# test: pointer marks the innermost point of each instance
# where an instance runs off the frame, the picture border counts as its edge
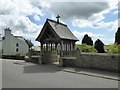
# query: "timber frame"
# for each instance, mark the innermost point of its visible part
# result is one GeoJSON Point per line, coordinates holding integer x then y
{"type": "Point", "coordinates": [55, 35]}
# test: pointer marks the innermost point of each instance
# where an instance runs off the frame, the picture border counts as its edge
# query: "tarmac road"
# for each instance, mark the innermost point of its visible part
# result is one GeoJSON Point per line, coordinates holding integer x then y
{"type": "Point", "coordinates": [28, 75]}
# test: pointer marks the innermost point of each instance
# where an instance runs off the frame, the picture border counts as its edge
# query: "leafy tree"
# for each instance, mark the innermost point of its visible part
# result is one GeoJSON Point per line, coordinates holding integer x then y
{"type": "Point", "coordinates": [117, 36]}
{"type": "Point", "coordinates": [86, 48]}
{"type": "Point", "coordinates": [99, 46]}
{"type": "Point", "coordinates": [113, 48]}
{"type": "Point", "coordinates": [87, 40]}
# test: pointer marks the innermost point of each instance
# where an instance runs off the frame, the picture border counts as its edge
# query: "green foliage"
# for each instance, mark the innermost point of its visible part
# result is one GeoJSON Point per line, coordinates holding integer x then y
{"type": "Point", "coordinates": [86, 48]}
{"type": "Point", "coordinates": [113, 48]}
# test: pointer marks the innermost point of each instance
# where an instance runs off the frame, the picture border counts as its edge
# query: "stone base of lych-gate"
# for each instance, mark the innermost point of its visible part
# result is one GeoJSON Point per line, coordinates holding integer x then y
{"type": "Point", "coordinates": [50, 57]}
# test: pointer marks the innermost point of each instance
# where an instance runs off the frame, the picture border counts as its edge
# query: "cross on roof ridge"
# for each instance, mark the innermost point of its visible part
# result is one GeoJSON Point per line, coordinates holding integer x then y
{"type": "Point", "coordinates": [58, 16]}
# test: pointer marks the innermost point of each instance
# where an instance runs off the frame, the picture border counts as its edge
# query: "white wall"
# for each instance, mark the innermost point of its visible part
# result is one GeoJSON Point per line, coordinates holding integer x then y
{"type": "Point", "coordinates": [9, 45]}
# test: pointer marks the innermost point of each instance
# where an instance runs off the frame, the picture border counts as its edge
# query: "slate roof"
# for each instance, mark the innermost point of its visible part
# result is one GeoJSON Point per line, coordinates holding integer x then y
{"type": "Point", "coordinates": [21, 38]}
{"type": "Point", "coordinates": [61, 30]}
{"type": "Point", "coordinates": [18, 37]}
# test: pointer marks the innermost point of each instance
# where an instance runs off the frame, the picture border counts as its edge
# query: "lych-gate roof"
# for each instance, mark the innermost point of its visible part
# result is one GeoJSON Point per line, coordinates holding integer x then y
{"type": "Point", "coordinates": [61, 30]}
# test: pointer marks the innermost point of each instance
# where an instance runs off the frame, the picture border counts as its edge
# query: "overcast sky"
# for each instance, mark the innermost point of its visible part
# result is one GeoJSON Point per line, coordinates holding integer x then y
{"type": "Point", "coordinates": [96, 18]}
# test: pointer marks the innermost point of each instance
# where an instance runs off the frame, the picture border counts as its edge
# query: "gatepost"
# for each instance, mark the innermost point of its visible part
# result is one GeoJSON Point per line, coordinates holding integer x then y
{"type": "Point", "coordinates": [78, 59]}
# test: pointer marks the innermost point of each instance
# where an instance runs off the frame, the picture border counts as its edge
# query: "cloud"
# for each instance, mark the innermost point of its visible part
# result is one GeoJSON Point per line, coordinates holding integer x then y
{"type": "Point", "coordinates": [97, 20]}
{"type": "Point", "coordinates": [14, 14]}
{"type": "Point", "coordinates": [94, 37]}
{"type": "Point", "coordinates": [78, 10]}
{"type": "Point", "coordinates": [112, 25]}
{"type": "Point", "coordinates": [86, 14]}
{"type": "Point", "coordinates": [96, 23]}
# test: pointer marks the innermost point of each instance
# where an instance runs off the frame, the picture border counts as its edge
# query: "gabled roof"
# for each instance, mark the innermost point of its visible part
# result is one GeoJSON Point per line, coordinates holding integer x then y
{"type": "Point", "coordinates": [21, 38]}
{"type": "Point", "coordinates": [61, 30]}
{"type": "Point", "coordinates": [18, 37]}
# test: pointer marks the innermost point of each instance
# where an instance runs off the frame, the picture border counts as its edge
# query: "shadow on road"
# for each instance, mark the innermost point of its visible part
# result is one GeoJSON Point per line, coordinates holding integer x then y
{"type": "Point", "coordinates": [41, 69]}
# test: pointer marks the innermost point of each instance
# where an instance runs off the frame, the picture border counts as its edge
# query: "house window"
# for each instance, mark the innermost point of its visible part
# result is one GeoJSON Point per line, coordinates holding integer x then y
{"type": "Point", "coordinates": [16, 49]}
{"type": "Point", "coordinates": [16, 44]}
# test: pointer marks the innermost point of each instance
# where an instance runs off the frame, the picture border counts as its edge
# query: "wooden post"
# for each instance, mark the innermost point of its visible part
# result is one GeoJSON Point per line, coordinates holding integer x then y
{"type": "Point", "coordinates": [46, 46]}
{"type": "Point", "coordinates": [73, 46]}
{"type": "Point", "coordinates": [70, 49]}
{"type": "Point", "coordinates": [66, 48]}
{"type": "Point", "coordinates": [61, 51]}
{"type": "Point", "coordinates": [41, 46]}
{"type": "Point", "coordinates": [55, 46]}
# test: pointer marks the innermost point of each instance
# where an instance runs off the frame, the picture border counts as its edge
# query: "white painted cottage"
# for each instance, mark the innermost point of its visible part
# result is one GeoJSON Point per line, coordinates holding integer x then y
{"type": "Point", "coordinates": [13, 45]}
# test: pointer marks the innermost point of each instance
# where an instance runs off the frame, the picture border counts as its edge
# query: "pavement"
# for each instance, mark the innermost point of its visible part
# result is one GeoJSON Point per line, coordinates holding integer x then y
{"type": "Point", "coordinates": [94, 73]}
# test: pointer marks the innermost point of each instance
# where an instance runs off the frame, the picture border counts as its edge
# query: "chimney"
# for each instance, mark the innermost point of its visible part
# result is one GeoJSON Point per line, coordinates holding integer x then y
{"type": "Point", "coordinates": [7, 31]}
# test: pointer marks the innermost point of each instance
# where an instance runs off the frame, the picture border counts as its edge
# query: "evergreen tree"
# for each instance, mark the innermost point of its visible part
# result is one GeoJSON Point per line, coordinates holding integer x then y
{"type": "Point", "coordinates": [30, 44]}
{"type": "Point", "coordinates": [99, 46]}
{"type": "Point", "coordinates": [87, 40]}
{"type": "Point", "coordinates": [117, 36]}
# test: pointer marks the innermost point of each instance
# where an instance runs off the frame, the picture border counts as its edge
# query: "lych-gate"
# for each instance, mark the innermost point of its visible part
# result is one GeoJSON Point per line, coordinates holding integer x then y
{"type": "Point", "coordinates": [56, 41]}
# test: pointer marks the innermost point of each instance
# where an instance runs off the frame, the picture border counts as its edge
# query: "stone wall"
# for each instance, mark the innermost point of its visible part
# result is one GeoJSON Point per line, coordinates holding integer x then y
{"type": "Point", "coordinates": [94, 60]}
{"type": "Point", "coordinates": [50, 57]}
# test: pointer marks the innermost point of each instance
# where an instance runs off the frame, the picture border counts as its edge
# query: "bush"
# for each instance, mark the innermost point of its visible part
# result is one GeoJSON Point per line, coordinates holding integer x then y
{"type": "Point", "coordinates": [113, 48]}
{"type": "Point", "coordinates": [99, 46]}
{"type": "Point", "coordinates": [86, 48]}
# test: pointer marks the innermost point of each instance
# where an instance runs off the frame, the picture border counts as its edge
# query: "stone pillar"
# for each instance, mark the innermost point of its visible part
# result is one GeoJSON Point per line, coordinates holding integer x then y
{"type": "Point", "coordinates": [78, 58]}
{"type": "Point", "coordinates": [60, 61]}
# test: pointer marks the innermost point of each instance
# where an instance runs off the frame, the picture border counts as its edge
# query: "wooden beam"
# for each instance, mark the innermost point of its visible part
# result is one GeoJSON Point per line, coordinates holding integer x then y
{"type": "Point", "coordinates": [61, 51]}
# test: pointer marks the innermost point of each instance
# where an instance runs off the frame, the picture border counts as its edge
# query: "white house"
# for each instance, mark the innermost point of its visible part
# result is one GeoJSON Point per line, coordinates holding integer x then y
{"type": "Point", "coordinates": [13, 45]}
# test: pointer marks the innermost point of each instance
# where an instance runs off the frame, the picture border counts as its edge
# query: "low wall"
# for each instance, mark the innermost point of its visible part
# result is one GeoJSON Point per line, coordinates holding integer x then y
{"type": "Point", "coordinates": [50, 57]}
{"type": "Point", "coordinates": [12, 57]}
{"type": "Point", "coordinates": [95, 60]}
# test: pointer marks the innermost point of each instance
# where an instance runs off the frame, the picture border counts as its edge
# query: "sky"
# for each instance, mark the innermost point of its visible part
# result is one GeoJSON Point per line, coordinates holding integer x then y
{"type": "Point", "coordinates": [97, 18]}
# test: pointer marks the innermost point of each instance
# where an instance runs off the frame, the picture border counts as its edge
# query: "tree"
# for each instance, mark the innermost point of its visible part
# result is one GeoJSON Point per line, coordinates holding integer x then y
{"type": "Point", "coordinates": [86, 48]}
{"type": "Point", "coordinates": [113, 48]}
{"type": "Point", "coordinates": [30, 44]}
{"type": "Point", "coordinates": [117, 36]}
{"type": "Point", "coordinates": [87, 40]}
{"type": "Point", "coordinates": [99, 46]}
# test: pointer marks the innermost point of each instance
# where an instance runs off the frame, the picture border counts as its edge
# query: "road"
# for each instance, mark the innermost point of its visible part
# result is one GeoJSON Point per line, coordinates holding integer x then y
{"type": "Point", "coordinates": [27, 75]}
